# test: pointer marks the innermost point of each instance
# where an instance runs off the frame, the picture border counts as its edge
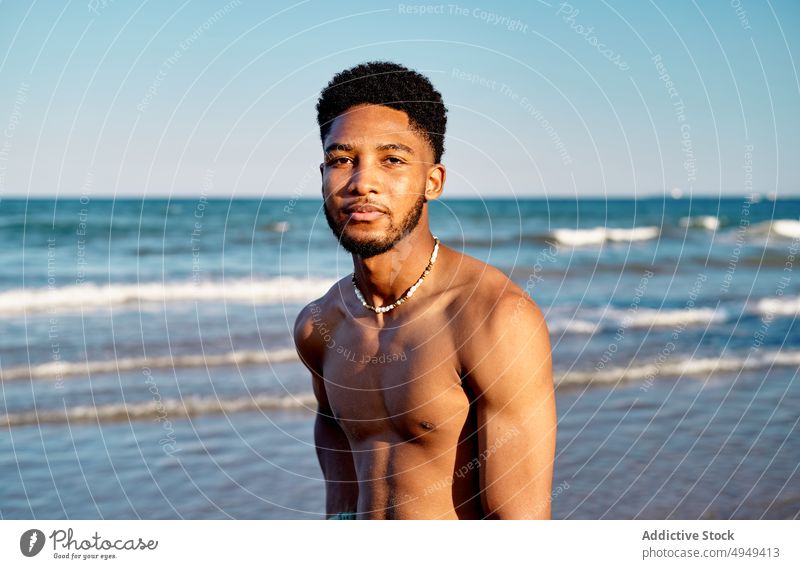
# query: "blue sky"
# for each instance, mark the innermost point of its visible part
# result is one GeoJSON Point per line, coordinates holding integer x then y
{"type": "Point", "coordinates": [545, 99]}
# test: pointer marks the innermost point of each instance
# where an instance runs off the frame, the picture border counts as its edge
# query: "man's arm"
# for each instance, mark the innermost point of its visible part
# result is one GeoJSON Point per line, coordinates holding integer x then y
{"type": "Point", "coordinates": [510, 371]}
{"type": "Point", "coordinates": [333, 449]}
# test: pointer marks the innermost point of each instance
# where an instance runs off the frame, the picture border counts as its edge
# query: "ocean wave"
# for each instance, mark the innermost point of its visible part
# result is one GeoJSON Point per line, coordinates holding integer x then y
{"type": "Point", "coordinates": [91, 296]}
{"type": "Point", "coordinates": [652, 317]}
{"type": "Point", "coordinates": [710, 222]}
{"type": "Point", "coordinates": [681, 367]}
{"type": "Point", "coordinates": [783, 306]}
{"type": "Point", "coordinates": [60, 369]}
{"type": "Point", "coordinates": [786, 228]}
{"type": "Point", "coordinates": [573, 326]}
{"type": "Point", "coordinates": [164, 409]}
{"type": "Point", "coordinates": [593, 320]}
{"type": "Point", "coordinates": [599, 235]}
{"type": "Point", "coordinates": [641, 318]}
{"type": "Point", "coordinates": [171, 408]}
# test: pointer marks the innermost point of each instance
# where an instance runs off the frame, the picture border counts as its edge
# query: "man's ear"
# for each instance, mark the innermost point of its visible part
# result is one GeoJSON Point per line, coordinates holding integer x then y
{"type": "Point", "coordinates": [435, 182]}
{"type": "Point", "coordinates": [322, 168]}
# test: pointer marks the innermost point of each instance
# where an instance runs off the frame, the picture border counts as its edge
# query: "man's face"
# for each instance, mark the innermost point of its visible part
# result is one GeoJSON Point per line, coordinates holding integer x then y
{"type": "Point", "coordinates": [374, 178]}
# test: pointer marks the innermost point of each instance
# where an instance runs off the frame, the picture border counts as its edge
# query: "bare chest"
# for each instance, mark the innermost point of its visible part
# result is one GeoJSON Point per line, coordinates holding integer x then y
{"type": "Point", "coordinates": [402, 380]}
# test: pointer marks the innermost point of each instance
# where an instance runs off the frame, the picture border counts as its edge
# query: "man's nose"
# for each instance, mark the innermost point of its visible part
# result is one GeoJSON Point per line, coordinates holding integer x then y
{"type": "Point", "coordinates": [363, 179]}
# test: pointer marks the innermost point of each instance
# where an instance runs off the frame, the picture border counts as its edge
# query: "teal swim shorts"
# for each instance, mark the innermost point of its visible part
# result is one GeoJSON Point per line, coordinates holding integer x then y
{"type": "Point", "coordinates": [344, 516]}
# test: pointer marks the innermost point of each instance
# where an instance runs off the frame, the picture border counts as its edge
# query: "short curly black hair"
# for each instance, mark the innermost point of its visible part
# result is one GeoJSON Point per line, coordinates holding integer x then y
{"type": "Point", "coordinates": [391, 85]}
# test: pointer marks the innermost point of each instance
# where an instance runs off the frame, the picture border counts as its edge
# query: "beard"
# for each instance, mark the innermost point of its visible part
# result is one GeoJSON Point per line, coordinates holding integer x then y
{"type": "Point", "coordinates": [366, 247]}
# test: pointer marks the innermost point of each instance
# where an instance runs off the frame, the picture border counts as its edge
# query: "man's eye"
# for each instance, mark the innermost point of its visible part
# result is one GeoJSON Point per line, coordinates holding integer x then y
{"type": "Point", "coordinates": [338, 160]}
{"type": "Point", "coordinates": [394, 160]}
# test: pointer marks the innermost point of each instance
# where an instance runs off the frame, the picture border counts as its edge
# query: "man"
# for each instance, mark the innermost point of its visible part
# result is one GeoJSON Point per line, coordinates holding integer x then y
{"type": "Point", "coordinates": [431, 369]}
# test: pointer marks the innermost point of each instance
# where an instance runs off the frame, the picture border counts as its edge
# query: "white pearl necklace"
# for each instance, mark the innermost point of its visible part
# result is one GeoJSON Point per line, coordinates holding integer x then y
{"type": "Point", "coordinates": [409, 293]}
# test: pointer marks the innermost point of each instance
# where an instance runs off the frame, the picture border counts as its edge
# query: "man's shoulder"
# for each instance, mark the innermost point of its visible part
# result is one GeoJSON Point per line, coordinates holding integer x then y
{"type": "Point", "coordinates": [328, 305]}
{"type": "Point", "coordinates": [316, 320]}
{"type": "Point", "coordinates": [486, 292]}
{"type": "Point", "coordinates": [492, 311]}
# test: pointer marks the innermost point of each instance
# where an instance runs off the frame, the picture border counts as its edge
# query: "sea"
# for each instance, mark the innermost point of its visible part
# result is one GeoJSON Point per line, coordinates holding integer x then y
{"type": "Point", "coordinates": [147, 369]}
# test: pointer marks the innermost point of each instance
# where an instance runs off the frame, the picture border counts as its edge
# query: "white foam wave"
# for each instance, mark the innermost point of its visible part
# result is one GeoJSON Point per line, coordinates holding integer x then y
{"type": "Point", "coordinates": [682, 367]}
{"type": "Point", "coordinates": [599, 235]}
{"type": "Point", "coordinates": [60, 369]}
{"type": "Point", "coordinates": [651, 317]}
{"type": "Point", "coordinates": [641, 318]}
{"type": "Point", "coordinates": [785, 306]}
{"type": "Point", "coordinates": [90, 296]}
{"type": "Point", "coordinates": [572, 326]}
{"type": "Point", "coordinates": [698, 368]}
{"type": "Point", "coordinates": [787, 228]}
{"type": "Point", "coordinates": [165, 408]}
{"type": "Point", "coordinates": [710, 222]}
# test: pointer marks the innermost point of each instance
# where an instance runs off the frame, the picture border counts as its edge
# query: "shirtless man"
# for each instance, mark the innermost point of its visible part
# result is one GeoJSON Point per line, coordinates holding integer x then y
{"type": "Point", "coordinates": [432, 405]}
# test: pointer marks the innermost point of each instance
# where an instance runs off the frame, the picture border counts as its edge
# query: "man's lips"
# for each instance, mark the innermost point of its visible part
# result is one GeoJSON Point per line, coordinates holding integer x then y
{"type": "Point", "coordinates": [364, 212]}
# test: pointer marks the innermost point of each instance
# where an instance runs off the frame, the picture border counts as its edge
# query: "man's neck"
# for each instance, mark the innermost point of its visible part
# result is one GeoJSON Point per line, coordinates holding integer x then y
{"type": "Point", "coordinates": [384, 278]}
